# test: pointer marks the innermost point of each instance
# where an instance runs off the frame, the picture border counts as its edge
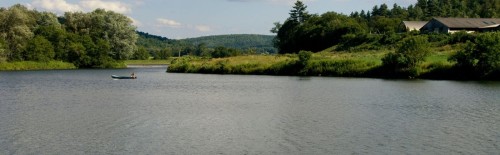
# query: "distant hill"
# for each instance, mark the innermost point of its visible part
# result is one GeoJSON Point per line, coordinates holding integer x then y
{"type": "Point", "coordinates": [260, 43]}
{"type": "Point", "coordinates": [150, 41]}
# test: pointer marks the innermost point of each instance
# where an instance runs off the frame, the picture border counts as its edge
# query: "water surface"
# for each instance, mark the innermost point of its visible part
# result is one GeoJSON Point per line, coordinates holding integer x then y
{"type": "Point", "coordinates": [87, 112]}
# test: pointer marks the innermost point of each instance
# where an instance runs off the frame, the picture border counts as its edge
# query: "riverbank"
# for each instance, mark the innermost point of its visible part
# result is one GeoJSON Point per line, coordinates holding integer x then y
{"type": "Point", "coordinates": [326, 63]}
{"type": "Point", "coordinates": [32, 65]}
{"type": "Point", "coordinates": [148, 62]}
{"type": "Point", "coordinates": [58, 65]}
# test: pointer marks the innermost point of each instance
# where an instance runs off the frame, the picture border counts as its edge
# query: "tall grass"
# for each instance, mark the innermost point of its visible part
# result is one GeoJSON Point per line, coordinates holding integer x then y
{"type": "Point", "coordinates": [32, 65]}
{"type": "Point", "coordinates": [327, 63]}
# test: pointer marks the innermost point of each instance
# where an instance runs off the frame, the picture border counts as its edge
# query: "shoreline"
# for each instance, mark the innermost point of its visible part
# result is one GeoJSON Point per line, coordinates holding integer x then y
{"type": "Point", "coordinates": [147, 66]}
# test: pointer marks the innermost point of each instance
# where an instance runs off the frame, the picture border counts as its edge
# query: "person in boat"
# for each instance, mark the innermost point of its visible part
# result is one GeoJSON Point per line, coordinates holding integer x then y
{"type": "Point", "coordinates": [132, 75]}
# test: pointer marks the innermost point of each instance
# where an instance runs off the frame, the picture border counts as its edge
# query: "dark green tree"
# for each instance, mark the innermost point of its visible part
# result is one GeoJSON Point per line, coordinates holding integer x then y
{"type": "Point", "coordinates": [411, 52]}
{"type": "Point", "coordinates": [16, 28]}
{"type": "Point", "coordinates": [3, 53]}
{"type": "Point", "coordinates": [141, 54]}
{"type": "Point", "coordinates": [39, 49]}
{"type": "Point", "coordinates": [482, 56]}
{"type": "Point", "coordinates": [299, 12]}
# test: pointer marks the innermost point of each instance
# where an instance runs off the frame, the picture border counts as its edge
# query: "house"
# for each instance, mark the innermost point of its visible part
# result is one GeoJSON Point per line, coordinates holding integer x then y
{"type": "Point", "coordinates": [413, 25]}
{"type": "Point", "coordinates": [452, 25]}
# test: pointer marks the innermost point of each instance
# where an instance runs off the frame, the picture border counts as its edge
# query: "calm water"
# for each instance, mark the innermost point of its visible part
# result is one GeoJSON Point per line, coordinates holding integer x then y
{"type": "Point", "coordinates": [86, 112]}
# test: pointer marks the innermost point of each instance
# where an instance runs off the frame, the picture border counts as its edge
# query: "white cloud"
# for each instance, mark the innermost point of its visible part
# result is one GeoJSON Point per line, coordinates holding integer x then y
{"type": "Point", "coordinates": [115, 6]}
{"type": "Point", "coordinates": [286, 2]}
{"type": "Point", "coordinates": [56, 5]}
{"type": "Point", "coordinates": [135, 22]}
{"type": "Point", "coordinates": [203, 28]}
{"type": "Point", "coordinates": [168, 22]}
{"type": "Point", "coordinates": [61, 6]}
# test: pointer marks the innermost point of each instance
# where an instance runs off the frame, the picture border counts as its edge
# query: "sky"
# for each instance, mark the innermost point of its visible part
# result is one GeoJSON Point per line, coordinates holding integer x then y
{"type": "Point", "coordinates": [179, 19]}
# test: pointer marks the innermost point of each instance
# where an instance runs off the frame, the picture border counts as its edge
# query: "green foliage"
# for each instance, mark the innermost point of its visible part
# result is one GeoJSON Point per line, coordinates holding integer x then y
{"type": "Point", "coordinates": [163, 54]}
{"type": "Point", "coordinates": [460, 37]}
{"type": "Point", "coordinates": [409, 54]}
{"type": "Point", "coordinates": [57, 36]}
{"type": "Point", "coordinates": [221, 52]}
{"type": "Point", "coordinates": [141, 54]}
{"type": "Point", "coordinates": [33, 65]}
{"type": "Point", "coordinates": [376, 29]}
{"type": "Point", "coordinates": [16, 25]}
{"type": "Point", "coordinates": [299, 12]}
{"type": "Point", "coordinates": [316, 33]}
{"type": "Point", "coordinates": [39, 49]}
{"type": "Point", "coordinates": [3, 53]}
{"type": "Point", "coordinates": [348, 67]}
{"type": "Point", "coordinates": [95, 39]}
{"type": "Point", "coordinates": [259, 43]}
{"type": "Point", "coordinates": [304, 57]}
{"type": "Point", "coordinates": [481, 56]}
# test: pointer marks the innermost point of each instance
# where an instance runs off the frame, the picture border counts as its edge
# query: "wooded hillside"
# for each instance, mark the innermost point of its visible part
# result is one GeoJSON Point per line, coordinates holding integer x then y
{"type": "Point", "coordinates": [259, 43]}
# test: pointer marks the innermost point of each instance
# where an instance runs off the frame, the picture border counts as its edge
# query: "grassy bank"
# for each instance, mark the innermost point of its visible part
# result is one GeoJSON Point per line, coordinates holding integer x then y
{"type": "Point", "coordinates": [31, 65]}
{"type": "Point", "coordinates": [323, 63]}
{"type": "Point", "coordinates": [326, 63]}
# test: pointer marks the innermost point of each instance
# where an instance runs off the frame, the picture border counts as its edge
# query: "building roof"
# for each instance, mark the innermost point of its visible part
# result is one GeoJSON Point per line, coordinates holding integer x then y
{"type": "Point", "coordinates": [414, 25]}
{"type": "Point", "coordinates": [470, 22]}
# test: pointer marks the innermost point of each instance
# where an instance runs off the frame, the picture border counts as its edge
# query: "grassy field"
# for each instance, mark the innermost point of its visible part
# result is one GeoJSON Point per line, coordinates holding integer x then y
{"type": "Point", "coordinates": [31, 65]}
{"type": "Point", "coordinates": [326, 63]}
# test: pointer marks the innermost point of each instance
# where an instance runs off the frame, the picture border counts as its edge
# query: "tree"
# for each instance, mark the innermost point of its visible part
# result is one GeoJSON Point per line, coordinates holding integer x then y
{"type": "Point", "coordinates": [299, 13]}
{"type": "Point", "coordinates": [481, 56]}
{"type": "Point", "coordinates": [77, 55]}
{"type": "Point", "coordinates": [276, 28]}
{"type": "Point", "coordinates": [3, 54]}
{"type": "Point", "coordinates": [39, 49]}
{"type": "Point", "coordinates": [408, 55]}
{"type": "Point", "coordinates": [164, 53]}
{"type": "Point", "coordinates": [115, 28]}
{"type": "Point", "coordinates": [16, 29]}
{"type": "Point", "coordinates": [284, 40]}
{"type": "Point", "coordinates": [141, 54]}
{"type": "Point", "coordinates": [57, 36]}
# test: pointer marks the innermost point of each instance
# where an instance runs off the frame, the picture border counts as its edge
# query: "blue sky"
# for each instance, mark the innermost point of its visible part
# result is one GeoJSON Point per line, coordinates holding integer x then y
{"type": "Point", "coordinates": [179, 19]}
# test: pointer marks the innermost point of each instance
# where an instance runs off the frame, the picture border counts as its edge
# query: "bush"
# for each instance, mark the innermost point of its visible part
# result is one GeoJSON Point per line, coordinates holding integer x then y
{"type": "Point", "coordinates": [481, 56]}
{"type": "Point", "coordinates": [460, 37]}
{"type": "Point", "coordinates": [39, 49]}
{"type": "Point", "coordinates": [411, 51]}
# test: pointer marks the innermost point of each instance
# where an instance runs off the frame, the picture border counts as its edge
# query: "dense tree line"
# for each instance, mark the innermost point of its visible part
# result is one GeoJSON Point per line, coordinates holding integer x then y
{"type": "Point", "coordinates": [218, 46]}
{"type": "Point", "coordinates": [94, 39]}
{"type": "Point", "coordinates": [258, 43]}
{"type": "Point", "coordinates": [375, 28]}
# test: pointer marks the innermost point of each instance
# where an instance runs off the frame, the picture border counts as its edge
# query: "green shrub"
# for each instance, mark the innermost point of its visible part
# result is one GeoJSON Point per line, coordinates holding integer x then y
{"type": "Point", "coordinates": [411, 51]}
{"type": "Point", "coordinates": [481, 56]}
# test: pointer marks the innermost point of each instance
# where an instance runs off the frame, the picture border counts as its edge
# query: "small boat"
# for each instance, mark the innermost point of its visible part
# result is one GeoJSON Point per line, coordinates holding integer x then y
{"type": "Point", "coordinates": [123, 77]}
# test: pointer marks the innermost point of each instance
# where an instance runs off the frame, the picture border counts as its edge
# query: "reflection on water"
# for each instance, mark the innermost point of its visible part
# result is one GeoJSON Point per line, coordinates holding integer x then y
{"type": "Point", "coordinates": [86, 112]}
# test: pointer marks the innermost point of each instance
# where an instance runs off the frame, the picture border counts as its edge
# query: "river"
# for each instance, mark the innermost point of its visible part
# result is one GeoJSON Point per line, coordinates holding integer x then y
{"type": "Point", "coordinates": [87, 112]}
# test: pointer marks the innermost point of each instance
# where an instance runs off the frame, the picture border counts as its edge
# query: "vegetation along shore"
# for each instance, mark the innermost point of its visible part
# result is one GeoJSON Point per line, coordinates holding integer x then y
{"type": "Point", "coordinates": [383, 42]}
{"type": "Point", "coordinates": [372, 44]}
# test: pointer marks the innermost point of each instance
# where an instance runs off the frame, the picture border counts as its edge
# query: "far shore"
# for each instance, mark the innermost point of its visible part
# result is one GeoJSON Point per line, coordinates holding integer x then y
{"type": "Point", "coordinates": [147, 66]}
